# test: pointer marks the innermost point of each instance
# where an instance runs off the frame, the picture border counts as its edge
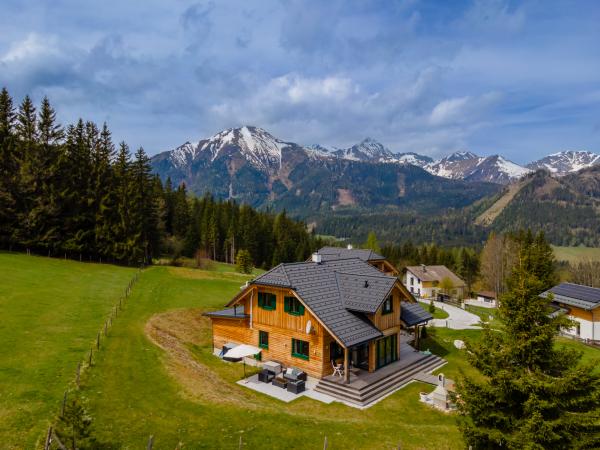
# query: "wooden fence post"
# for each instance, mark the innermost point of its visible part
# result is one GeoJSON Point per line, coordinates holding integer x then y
{"type": "Point", "coordinates": [325, 443]}
{"type": "Point", "coordinates": [64, 404]}
{"type": "Point", "coordinates": [48, 439]}
{"type": "Point", "coordinates": [106, 328]}
{"type": "Point", "coordinates": [150, 443]}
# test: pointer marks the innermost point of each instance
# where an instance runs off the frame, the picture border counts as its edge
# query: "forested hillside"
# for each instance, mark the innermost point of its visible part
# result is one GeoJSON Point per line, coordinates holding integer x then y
{"type": "Point", "coordinates": [567, 209]}
{"type": "Point", "coordinates": [70, 192]}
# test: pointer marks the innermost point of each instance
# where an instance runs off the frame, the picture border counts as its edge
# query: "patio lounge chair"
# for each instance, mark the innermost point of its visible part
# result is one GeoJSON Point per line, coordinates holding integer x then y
{"type": "Point", "coordinates": [293, 374]}
{"type": "Point", "coordinates": [297, 386]}
{"type": "Point", "coordinates": [266, 376]}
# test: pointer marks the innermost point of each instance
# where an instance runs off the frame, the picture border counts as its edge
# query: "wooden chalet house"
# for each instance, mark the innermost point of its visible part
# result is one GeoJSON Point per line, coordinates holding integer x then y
{"type": "Point", "coordinates": [338, 308]}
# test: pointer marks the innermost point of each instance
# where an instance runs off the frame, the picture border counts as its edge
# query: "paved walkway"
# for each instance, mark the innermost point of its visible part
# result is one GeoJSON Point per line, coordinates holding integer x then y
{"type": "Point", "coordinates": [458, 319]}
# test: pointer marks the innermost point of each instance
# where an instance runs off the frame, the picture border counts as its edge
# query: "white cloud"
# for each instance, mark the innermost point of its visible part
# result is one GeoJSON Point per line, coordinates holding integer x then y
{"type": "Point", "coordinates": [461, 109]}
{"type": "Point", "coordinates": [33, 46]}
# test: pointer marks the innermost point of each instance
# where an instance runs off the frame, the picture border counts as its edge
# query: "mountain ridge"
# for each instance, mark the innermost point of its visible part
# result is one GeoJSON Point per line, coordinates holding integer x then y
{"type": "Point", "coordinates": [263, 151]}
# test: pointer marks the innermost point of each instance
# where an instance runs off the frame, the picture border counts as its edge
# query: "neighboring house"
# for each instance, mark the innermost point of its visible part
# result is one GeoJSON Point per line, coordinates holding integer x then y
{"type": "Point", "coordinates": [376, 260]}
{"type": "Point", "coordinates": [310, 313]}
{"type": "Point", "coordinates": [487, 297]}
{"type": "Point", "coordinates": [426, 281]}
{"type": "Point", "coordinates": [581, 304]}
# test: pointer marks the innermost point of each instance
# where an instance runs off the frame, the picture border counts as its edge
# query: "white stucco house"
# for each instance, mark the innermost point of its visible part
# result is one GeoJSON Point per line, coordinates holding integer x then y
{"type": "Point", "coordinates": [425, 281]}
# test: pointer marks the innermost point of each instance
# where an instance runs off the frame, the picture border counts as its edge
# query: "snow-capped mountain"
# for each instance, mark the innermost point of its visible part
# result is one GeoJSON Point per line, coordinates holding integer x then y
{"type": "Point", "coordinates": [368, 150]}
{"type": "Point", "coordinates": [257, 146]}
{"type": "Point", "coordinates": [565, 162]}
{"type": "Point", "coordinates": [458, 165]}
{"type": "Point", "coordinates": [468, 166]}
{"type": "Point", "coordinates": [497, 169]}
{"type": "Point", "coordinates": [413, 159]}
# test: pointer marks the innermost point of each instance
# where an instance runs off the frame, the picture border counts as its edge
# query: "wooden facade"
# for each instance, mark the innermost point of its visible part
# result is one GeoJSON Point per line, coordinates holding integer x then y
{"type": "Point", "coordinates": [283, 327]}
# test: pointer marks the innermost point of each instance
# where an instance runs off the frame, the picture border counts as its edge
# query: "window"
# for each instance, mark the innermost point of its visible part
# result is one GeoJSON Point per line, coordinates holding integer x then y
{"type": "Point", "coordinates": [292, 305]}
{"type": "Point", "coordinates": [299, 349]}
{"type": "Point", "coordinates": [263, 339]}
{"type": "Point", "coordinates": [267, 301]}
{"type": "Point", "coordinates": [388, 305]}
{"type": "Point", "coordinates": [412, 281]}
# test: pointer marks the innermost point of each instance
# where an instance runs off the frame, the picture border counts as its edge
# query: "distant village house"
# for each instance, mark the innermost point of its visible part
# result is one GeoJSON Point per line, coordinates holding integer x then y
{"type": "Point", "coordinates": [581, 304]}
{"type": "Point", "coordinates": [430, 281]}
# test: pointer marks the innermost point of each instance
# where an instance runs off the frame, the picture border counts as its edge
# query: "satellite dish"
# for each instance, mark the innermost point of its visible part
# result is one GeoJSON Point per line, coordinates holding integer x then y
{"type": "Point", "coordinates": [308, 327]}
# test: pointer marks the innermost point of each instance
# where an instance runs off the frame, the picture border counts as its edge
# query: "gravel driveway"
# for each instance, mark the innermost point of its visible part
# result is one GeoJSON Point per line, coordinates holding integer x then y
{"type": "Point", "coordinates": [458, 319]}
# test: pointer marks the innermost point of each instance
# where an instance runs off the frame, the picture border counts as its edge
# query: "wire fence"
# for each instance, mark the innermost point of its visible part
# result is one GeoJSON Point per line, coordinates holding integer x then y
{"type": "Point", "coordinates": [87, 362]}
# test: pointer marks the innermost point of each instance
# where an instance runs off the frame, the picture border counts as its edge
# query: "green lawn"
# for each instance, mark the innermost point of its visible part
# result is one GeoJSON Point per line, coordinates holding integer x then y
{"type": "Point", "coordinates": [438, 313]}
{"type": "Point", "coordinates": [51, 311]}
{"type": "Point", "coordinates": [576, 254]}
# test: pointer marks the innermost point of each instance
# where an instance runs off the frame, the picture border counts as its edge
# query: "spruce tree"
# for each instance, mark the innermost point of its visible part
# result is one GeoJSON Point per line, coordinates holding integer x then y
{"type": "Point", "coordinates": [372, 242]}
{"type": "Point", "coordinates": [105, 216]}
{"type": "Point", "coordinates": [532, 393]}
{"type": "Point", "coordinates": [8, 169]}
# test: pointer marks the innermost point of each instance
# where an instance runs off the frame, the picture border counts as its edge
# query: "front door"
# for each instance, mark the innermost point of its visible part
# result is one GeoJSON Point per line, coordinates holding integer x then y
{"type": "Point", "coordinates": [387, 350]}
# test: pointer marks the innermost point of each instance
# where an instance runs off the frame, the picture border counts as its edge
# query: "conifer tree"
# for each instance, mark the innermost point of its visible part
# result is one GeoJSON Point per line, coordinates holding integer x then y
{"type": "Point", "coordinates": [533, 392]}
{"type": "Point", "coordinates": [105, 215]}
{"type": "Point", "coordinates": [372, 242]}
{"type": "Point", "coordinates": [8, 169]}
{"type": "Point", "coordinates": [244, 262]}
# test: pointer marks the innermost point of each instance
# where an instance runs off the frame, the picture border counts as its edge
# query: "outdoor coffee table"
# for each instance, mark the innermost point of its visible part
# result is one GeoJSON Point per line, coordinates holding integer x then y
{"type": "Point", "coordinates": [280, 382]}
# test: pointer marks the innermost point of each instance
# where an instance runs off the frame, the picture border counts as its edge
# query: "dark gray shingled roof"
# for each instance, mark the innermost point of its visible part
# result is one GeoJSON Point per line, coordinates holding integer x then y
{"type": "Point", "coordinates": [414, 314]}
{"type": "Point", "coordinates": [575, 295]}
{"type": "Point", "coordinates": [363, 292]}
{"type": "Point", "coordinates": [332, 253]}
{"type": "Point", "coordinates": [331, 289]}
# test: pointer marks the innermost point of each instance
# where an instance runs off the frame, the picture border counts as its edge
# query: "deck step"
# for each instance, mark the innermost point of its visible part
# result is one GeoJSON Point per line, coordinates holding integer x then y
{"type": "Point", "coordinates": [370, 393]}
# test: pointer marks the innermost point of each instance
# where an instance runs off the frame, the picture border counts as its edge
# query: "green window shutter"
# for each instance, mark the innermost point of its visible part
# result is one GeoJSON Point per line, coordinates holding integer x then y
{"type": "Point", "coordinates": [261, 299]}
{"type": "Point", "coordinates": [286, 304]}
{"type": "Point", "coordinates": [301, 309]}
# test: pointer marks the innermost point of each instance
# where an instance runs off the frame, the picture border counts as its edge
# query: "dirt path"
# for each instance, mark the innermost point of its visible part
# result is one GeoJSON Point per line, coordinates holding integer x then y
{"type": "Point", "coordinates": [179, 331]}
{"type": "Point", "coordinates": [174, 332]}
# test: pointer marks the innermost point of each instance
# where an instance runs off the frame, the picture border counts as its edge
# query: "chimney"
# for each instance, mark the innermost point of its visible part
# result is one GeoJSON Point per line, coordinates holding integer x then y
{"type": "Point", "coordinates": [366, 283]}
{"type": "Point", "coordinates": [350, 247]}
{"type": "Point", "coordinates": [316, 258]}
{"type": "Point", "coordinates": [424, 267]}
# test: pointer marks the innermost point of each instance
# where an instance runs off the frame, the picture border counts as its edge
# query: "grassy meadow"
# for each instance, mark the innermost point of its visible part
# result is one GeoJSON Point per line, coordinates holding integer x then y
{"type": "Point", "coordinates": [51, 311]}
{"type": "Point", "coordinates": [576, 254]}
{"type": "Point", "coordinates": [156, 375]}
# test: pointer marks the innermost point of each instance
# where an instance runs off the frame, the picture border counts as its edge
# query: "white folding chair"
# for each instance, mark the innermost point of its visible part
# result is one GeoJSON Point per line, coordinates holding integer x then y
{"type": "Point", "coordinates": [337, 369]}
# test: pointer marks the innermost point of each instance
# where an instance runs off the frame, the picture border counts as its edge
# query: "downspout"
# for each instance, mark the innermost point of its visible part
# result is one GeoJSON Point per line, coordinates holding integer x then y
{"type": "Point", "coordinates": [251, 306]}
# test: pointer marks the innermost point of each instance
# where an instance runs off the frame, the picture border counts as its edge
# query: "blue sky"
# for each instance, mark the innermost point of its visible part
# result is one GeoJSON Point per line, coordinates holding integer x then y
{"type": "Point", "coordinates": [517, 78]}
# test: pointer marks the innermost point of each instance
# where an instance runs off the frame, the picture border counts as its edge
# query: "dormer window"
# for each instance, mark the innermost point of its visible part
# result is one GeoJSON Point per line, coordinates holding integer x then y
{"type": "Point", "coordinates": [388, 305]}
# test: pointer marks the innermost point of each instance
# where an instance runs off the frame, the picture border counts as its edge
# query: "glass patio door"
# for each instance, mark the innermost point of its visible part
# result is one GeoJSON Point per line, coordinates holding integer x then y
{"type": "Point", "coordinates": [387, 350]}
